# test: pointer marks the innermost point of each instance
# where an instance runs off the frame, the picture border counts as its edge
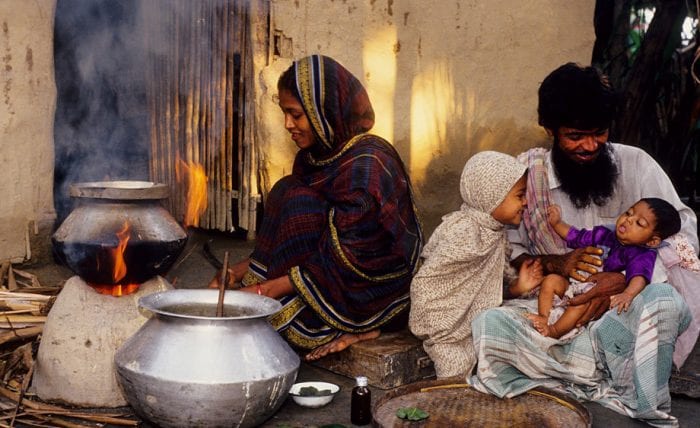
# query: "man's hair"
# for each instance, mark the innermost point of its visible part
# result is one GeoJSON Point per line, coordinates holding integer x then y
{"type": "Point", "coordinates": [576, 97]}
{"type": "Point", "coordinates": [668, 221]}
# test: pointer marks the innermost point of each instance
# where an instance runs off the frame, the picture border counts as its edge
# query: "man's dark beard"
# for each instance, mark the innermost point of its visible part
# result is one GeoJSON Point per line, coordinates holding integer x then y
{"type": "Point", "coordinates": [586, 183]}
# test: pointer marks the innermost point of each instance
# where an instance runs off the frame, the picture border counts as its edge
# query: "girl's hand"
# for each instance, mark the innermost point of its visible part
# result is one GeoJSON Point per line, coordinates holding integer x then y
{"type": "Point", "coordinates": [530, 275]}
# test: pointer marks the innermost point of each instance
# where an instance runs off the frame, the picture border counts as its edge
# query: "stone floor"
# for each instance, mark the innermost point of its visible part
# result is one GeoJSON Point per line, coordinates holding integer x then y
{"type": "Point", "coordinates": [194, 271]}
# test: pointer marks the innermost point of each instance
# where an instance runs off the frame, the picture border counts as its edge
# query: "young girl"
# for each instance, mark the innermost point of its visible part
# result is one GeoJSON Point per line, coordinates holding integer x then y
{"type": "Point", "coordinates": [638, 232]}
{"type": "Point", "coordinates": [465, 260]}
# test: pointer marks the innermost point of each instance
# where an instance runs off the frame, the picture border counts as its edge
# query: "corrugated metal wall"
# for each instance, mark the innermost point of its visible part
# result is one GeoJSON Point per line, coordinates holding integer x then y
{"type": "Point", "coordinates": [199, 97]}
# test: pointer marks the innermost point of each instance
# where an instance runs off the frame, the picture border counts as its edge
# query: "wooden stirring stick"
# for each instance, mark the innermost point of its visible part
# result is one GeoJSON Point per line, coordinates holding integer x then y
{"type": "Point", "coordinates": [222, 287]}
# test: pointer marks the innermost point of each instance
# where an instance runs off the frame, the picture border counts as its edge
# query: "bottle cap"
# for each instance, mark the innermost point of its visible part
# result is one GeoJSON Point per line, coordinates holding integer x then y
{"type": "Point", "coordinates": [361, 380]}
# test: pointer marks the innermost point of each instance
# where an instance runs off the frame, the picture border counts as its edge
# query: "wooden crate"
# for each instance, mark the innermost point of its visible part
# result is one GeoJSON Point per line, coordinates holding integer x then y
{"type": "Point", "coordinates": [389, 361]}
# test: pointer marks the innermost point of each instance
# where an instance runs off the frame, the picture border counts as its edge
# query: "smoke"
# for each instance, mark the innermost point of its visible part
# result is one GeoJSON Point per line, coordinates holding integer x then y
{"type": "Point", "coordinates": [140, 79]}
{"type": "Point", "coordinates": [101, 121]}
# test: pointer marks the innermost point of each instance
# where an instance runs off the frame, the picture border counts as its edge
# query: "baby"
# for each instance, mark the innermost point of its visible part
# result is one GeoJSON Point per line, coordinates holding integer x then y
{"type": "Point", "coordinates": [638, 232]}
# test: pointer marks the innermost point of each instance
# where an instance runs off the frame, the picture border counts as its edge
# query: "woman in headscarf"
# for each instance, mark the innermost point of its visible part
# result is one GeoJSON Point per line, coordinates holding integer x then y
{"type": "Point", "coordinates": [340, 236]}
{"type": "Point", "coordinates": [466, 260]}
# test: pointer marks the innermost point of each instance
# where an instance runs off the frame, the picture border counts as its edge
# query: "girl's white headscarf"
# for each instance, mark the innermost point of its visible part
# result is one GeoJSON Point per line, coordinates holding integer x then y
{"type": "Point", "coordinates": [463, 266]}
{"type": "Point", "coordinates": [486, 180]}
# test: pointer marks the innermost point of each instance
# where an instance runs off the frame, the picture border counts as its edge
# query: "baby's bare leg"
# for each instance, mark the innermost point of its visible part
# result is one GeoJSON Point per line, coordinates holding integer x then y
{"type": "Point", "coordinates": [567, 321]}
{"type": "Point", "coordinates": [551, 284]}
{"type": "Point", "coordinates": [539, 323]}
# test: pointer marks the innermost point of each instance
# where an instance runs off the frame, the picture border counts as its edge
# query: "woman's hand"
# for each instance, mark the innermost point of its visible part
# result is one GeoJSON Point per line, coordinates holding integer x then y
{"type": "Point", "coordinates": [235, 274]}
{"type": "Point", "coordinates": [275, 288]}
{"type": "Point", "coordinates": [571, 264]}
{"type": "Point", "coordinates": [216, 281]}
{"type": "Point", "coordinates": [598, 298]}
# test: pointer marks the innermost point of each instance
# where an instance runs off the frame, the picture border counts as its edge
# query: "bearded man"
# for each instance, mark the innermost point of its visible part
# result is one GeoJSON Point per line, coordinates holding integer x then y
{"type": "Point", "coordinates": [623, 361]}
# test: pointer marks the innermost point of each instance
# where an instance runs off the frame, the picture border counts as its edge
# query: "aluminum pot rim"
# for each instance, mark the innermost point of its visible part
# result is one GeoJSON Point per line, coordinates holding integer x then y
{"type": "Point", "coordinates": [264, 306]}
{"type": "Point", "coordinates": [119, 189]}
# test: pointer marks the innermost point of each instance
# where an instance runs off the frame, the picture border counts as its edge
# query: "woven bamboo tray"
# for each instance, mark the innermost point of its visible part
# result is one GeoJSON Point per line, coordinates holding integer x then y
{"type": "Point", "coordinates": [451, 405]}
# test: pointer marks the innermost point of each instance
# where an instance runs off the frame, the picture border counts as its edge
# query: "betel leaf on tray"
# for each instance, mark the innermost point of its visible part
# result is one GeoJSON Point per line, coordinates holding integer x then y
{"type": "Point", "coordinates": [412, 413]}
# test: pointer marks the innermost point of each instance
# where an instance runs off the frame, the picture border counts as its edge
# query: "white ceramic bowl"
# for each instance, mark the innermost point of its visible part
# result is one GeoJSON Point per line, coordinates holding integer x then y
{"type": "Point", "coordinates": [313, 400]}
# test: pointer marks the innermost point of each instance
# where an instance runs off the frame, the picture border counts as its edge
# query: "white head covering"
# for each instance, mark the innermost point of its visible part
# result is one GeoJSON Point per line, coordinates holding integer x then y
{"type": "Point", "coordinates": [464, 260]}
{"type": "Point", "coordinates": [487, 178]}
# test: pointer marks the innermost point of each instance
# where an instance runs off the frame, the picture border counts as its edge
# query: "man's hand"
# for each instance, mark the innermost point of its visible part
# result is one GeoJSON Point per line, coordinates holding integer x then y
{"type": "Point", "coordinates": [598, 297]}
{"type": "Point", "coordinates": [570, 264]}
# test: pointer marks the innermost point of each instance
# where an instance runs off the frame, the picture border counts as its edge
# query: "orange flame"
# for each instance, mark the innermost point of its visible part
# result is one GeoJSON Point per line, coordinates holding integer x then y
{"type": "Point", "coordinates": [115, 290]}
{"type": "Point", "coordinates": [196, 191]}
{"type": "Point", "coordinates": [119, 271]}
{"type": "Point", "coordinates": [119, 267]}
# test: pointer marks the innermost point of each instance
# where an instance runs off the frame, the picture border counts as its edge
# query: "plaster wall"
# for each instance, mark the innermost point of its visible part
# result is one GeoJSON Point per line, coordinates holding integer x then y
{"type": "Point", "coordinates": [446, 78]}
{"type": "Point", "coordinates": [27, 105]}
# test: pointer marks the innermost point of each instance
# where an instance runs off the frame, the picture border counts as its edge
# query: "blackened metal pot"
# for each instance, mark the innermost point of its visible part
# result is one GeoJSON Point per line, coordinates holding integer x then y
{"type": "Point", "coordinates": [108, 212]}
{"type": "Point", "coordinates": [187, 367]}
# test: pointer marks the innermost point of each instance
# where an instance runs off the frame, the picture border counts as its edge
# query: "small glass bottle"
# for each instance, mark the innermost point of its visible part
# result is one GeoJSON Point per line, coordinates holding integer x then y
{"type": "Point", "coordinates": [360, 403]}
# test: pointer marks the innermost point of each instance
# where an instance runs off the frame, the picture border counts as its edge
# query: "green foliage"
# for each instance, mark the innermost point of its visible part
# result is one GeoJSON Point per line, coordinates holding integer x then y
{"type": "Point", "coordinates": [412, 413]}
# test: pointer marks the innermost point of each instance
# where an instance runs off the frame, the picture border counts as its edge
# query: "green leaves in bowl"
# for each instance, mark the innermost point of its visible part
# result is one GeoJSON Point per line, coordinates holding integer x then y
{"type": "Point", "coordinates": [312, 391]}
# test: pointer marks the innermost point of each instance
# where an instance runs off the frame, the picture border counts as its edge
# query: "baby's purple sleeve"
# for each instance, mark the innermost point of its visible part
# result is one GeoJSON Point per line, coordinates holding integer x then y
{"type": "Point", "coordinates": [579, 238]}
{"type": "Point", "coordinates": [641, 264]}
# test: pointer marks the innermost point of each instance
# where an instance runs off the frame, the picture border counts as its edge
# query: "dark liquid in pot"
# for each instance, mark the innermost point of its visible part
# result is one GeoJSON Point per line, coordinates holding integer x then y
{"type": "Point", "coordinates": [94, 262]}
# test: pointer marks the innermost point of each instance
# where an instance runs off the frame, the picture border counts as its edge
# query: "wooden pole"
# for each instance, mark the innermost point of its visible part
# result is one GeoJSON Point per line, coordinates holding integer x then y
{"type": "Point", "coordinates": [222, 287]}
{"type": "Point", "coordinates": [243, 193]}
{"type": "Point", "coordinates": [221, 55]}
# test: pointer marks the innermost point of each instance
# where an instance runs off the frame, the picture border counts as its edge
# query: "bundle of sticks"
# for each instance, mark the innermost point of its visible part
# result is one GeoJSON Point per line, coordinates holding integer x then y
{"type": "Point", "coordinates": [24, 304]}
{"type": "Point", "coordinates": [12, 278]}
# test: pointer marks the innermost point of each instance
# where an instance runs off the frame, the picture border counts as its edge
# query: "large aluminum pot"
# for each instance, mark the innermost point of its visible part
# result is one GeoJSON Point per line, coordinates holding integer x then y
{"type": "Point", "coordinates": [188, 368]}
{"type": "Point", "coordinates": [88, 238]}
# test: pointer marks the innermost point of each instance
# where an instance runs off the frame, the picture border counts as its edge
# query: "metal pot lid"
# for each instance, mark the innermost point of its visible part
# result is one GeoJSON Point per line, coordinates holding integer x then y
{"type": "Point", "coordinates": [120, 189]}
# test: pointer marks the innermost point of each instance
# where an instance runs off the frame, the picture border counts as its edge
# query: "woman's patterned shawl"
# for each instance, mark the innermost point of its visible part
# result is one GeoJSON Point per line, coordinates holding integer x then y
{"type": "Point", "coordinates": [356, 275]}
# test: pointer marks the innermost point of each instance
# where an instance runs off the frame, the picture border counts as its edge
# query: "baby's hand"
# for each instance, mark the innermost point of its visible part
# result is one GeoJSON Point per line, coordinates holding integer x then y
{"type": "Point", "coordinates": [530, 274]}
{"type": "Point", "coordinates": [553, 214]}
{"type": "Point", "coordinates": [622, 301]}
